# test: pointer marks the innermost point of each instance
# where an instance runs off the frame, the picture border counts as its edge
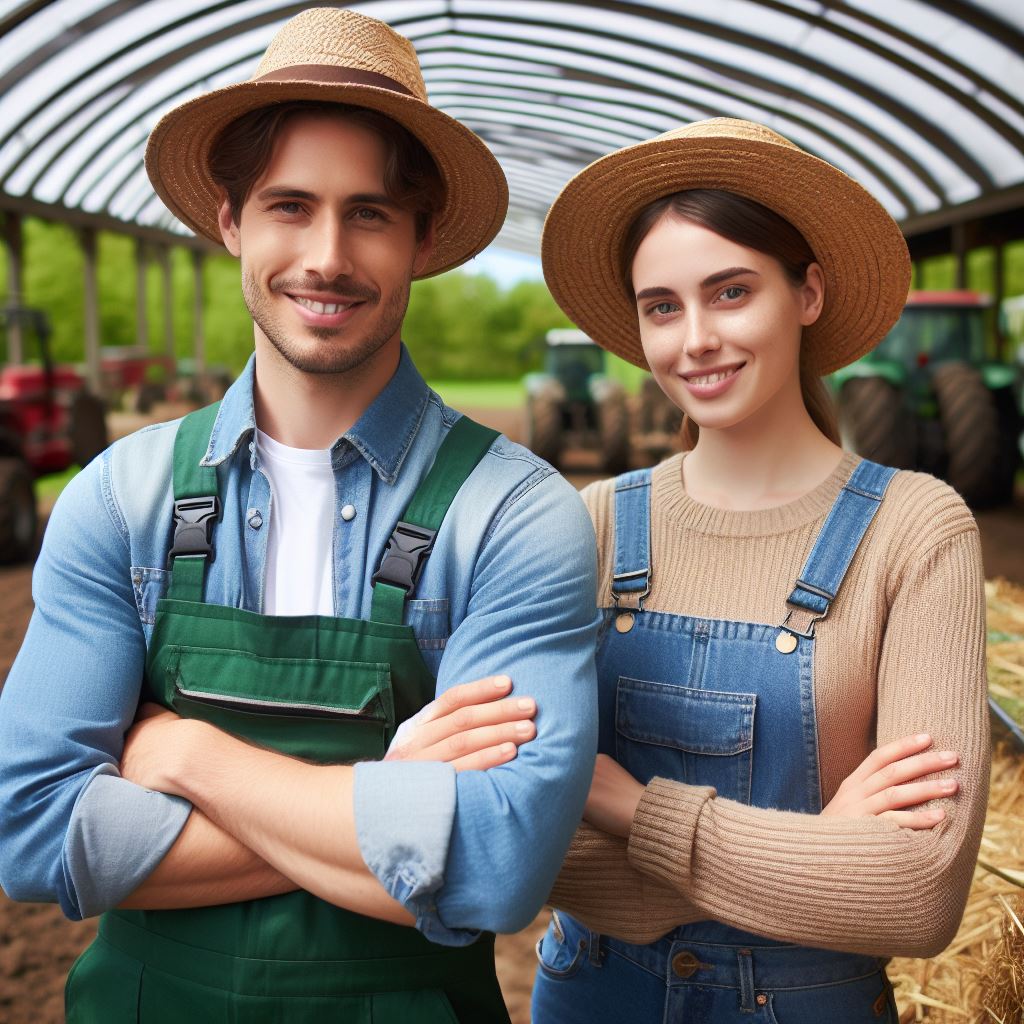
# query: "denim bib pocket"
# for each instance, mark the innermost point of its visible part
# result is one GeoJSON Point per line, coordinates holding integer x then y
{"type": "Point", "coordinates": [148, 585]}
{"type": "Point", "coordinates": [700, 737]}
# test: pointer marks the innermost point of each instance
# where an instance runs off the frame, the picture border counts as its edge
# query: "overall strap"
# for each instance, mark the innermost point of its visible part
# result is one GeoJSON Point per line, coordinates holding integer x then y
{"type": "Point", "coordinates": [836, 544]}
{"type": "Point", "coordinates": [413, 538]}
{"type": "Point", "coordinates": [631, 578]}
{"type": "Point", "coordinates": [196, 505]}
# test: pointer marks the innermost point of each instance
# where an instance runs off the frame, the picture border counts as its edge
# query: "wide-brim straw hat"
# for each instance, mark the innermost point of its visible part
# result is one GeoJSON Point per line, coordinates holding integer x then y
{"type": "Point", "coordinates": [860, 247]}
{"type": "Point", "coordinates": [336, 56]}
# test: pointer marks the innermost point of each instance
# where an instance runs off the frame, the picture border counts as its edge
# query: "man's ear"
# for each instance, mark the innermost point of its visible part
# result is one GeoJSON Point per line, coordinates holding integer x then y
{"type": "Point", "coordinates": [424, 249]}
{"type": "Point", "coordinates": [228, 228]}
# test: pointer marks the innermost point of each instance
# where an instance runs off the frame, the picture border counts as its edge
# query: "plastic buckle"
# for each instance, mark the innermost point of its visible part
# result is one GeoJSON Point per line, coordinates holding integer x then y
{"type": "Point", "coordinates": [404, 556]}
{"type": "Point", "coordinates": [193, 528]}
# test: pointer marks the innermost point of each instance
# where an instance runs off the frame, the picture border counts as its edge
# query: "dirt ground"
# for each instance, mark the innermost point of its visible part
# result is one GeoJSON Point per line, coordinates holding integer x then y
{"type": "Point", "coordinates": [37, 945]}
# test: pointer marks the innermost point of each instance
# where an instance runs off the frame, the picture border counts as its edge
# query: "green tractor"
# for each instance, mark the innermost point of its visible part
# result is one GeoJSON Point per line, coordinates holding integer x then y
{"type": "Point", "coordinates": [931, 397]}
{"type": "Point", "coordinates": [573, 403]}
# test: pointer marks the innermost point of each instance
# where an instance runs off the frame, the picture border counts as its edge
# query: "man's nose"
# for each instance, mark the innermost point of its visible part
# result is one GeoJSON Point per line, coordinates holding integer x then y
{"type": "Point", "coordinates": [328, 249]}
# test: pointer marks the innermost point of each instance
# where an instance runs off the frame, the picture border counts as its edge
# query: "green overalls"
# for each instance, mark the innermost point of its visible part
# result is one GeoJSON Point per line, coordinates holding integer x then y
{"type": "Point", "coordinates": [317, 687]}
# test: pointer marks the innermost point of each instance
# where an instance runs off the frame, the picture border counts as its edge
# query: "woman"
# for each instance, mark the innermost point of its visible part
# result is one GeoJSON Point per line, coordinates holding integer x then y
{"type": "Point", "coordinates": [774, 607]}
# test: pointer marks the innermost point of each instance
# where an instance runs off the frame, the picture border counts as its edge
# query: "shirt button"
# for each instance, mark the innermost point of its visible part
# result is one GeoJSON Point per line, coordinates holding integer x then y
{"type": "Point", "coordinates": [255, 519]}
{"type": "Point", "coordinates": [348, 513]}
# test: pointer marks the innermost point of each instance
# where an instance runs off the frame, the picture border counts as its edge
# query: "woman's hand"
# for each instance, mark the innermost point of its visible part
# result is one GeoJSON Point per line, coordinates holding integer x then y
{"type": "Point", "coordinates": [886, 781]}
{"type": "Point", "coordinates": [469, 726]}
{"type": "Point", "coordinates": [614, 794]}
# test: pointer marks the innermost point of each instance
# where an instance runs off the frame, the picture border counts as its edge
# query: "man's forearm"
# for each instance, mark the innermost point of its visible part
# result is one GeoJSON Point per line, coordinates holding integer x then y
{"type": "Point", "coordinates": [295, 817]}
{"type": "Point", "coordinates": [204, 867]}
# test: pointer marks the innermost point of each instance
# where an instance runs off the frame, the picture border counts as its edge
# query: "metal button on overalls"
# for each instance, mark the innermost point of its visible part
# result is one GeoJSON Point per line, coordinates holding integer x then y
{"type": "Point", "coordinates": [322, 688]}
{"type": "Point", "coordinates": [685, 964]}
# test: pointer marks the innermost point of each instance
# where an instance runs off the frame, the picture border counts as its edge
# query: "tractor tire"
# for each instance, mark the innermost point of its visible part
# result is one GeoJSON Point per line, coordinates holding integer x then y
{"type": "Point", "coordinates": [970, 423]}
{"type": "Point", "coordinates": [613, 429]}
{"type": "Point", "coordinates": [657, 413]}
{"type": "Point", "coordinates": [544, 428]}
{"type": "Point", "coordinates": [88, 428]}
{"type": "Point", "coordinates": [1011, 423]}
{"type": "Point", "coordinates": [147, 395]}
{"type": "Point", "coordinates": [18, 519]}
{"type": "Point", "coordinates": [874, 422]}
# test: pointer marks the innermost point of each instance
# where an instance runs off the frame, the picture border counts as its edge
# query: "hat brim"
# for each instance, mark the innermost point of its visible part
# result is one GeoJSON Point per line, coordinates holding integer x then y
{"type": "Point", "coordinates": [860, 248]}
{"type": "Point", "coordinates": [177, 160]}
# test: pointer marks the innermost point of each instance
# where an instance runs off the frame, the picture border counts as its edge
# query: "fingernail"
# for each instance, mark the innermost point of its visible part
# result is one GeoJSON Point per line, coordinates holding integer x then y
{"type": "Point", "coordinates": [949, 755]}
{"type": "Point", "coordinates": [949, 786]}
{"type": "Point", "coordinates": [922, 737]}
{"type": "Point", "coordinates": [526, 704]}
{"type": "Point", "coordinates": [507, 748]}
{"type": "Point", "coordinates": [502, 682]}
{"type": "Point", "coordinates": [937, 815]}
{"type": "Point", "coordinates": [522, 728]}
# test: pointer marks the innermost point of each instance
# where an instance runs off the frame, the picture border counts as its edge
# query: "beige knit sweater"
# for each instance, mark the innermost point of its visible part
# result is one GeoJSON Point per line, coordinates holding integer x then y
{"type": "Point", "coordinates": [902, 651]}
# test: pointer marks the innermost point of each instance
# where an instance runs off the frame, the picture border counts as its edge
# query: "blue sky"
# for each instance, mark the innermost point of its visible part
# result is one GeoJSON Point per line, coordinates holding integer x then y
{"type": "Point", "coordinates": [505, 266]}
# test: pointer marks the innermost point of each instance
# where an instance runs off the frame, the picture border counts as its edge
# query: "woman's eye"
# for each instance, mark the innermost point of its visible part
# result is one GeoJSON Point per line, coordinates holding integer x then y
{"type": "Point", "coordinates": [664, 308]}
{"type": "Point", "coordinates": [733, 292]}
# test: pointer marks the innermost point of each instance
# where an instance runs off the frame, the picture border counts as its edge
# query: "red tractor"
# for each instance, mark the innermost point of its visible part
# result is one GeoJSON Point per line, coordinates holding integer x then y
{"type": "Point", "coordinates": [48, 421]}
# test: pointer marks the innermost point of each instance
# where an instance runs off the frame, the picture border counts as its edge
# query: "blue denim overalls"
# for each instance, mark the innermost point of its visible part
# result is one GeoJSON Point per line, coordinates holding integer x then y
{"type": "Point", "coordinates": [723, 704]}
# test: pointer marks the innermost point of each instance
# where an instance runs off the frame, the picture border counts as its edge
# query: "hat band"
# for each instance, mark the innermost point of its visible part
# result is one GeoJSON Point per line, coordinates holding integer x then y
{"type": "Point", "coordinates": [334, 76]}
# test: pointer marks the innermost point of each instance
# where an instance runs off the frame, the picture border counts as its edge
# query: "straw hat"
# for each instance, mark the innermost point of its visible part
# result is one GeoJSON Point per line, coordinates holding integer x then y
{"type": "Point", "coordinates": [860, 248]}
{"type": "Point", "coordinates": [336, 56]}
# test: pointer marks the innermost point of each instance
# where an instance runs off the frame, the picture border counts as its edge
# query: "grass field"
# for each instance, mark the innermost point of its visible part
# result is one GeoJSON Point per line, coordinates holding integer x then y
{"type": "Point", "coordinates": [481, 394]}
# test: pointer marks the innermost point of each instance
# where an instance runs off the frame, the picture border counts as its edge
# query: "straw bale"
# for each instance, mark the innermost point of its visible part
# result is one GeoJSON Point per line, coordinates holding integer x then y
{"type": "Point", "coordinates": [980, 977]}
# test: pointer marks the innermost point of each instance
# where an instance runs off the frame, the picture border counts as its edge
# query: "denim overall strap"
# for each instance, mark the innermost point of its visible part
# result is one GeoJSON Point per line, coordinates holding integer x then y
{"type": "Point", "coordinates": [196, 505]}
{"type": "Point", "coordinates": [840, 536]}
{"type": "Point", "coordinates": [631, 580]}
{"type": "Point", "coordinates": [413, 538]}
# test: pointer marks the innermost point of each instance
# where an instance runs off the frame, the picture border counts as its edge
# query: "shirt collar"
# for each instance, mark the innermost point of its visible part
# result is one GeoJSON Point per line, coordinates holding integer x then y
{"type": "Point", "coordinates": [382, 435]}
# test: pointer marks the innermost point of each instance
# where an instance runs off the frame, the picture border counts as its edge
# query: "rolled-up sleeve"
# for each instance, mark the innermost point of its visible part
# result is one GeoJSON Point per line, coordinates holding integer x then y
{"type": "Point", "coordinates": [495, 839]}
{"type": "Point", "coordinates": [71, 830]}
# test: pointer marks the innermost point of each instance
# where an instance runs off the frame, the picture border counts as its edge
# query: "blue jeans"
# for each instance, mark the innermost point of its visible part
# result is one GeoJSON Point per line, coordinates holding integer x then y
{"type": "Point", "coordinates": [598, 980]}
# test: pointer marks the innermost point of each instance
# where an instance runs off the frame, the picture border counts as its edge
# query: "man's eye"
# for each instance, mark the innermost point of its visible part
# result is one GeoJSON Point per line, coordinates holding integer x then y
{"type": "Point", "coordinates": [288, 206]}
{"type": "Point", "coordinates": [367, 213]}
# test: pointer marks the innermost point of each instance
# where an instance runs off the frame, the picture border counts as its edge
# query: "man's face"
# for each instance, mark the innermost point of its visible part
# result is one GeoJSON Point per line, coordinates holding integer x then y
{"type": "Point", "coordinates": [327, 257]}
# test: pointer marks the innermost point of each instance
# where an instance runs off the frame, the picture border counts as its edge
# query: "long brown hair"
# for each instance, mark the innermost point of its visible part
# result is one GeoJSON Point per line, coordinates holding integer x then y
{"type": "Point", "coordinates": [754, 226]}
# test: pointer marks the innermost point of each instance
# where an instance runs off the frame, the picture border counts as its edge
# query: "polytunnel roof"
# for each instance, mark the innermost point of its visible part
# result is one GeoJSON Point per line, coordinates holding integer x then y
{"type": "Point", "coordinates": [921, 102]}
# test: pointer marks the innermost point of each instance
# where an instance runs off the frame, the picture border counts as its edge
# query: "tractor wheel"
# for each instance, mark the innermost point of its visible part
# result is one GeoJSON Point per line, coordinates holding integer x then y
{"type": "Point", "coordinates": [613, 428]}
{"type": "Point", "coordinates": [874, 422]}
{"type": "Point", "coordinates": [1010, 425]}
{"type": "Point", "coordinates": [88, 428]}
{"type": "Point", "coordinates": [18, 520]}
{"type": "Point", "coordinates": [657, 413]}
{"type": "Point", "coordinates": [147, 395]}
{"type": "Point", "coordinates": [970, 423]}
{"type": "Point", "coordinates": [544, 428]}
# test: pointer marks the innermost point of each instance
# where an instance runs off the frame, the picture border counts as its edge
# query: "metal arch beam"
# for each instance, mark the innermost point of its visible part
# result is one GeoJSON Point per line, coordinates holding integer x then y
{"type": "Point", "coordinates": [755, 82]}
{"type": "Point", "coordinates": [12, 20]}
{"type": "Point", "coordinates": [202, 42]}
{"type": "Point", "coordinates": [839, 142]}
{"type": "Point", "coordinates": [981, 19]}
{"type": "Point", "coordinates": [954, 152]}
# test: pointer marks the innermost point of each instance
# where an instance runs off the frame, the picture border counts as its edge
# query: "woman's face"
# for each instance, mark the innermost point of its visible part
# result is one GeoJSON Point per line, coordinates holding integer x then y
{"type": "Point", "coordinates": [720, 323]}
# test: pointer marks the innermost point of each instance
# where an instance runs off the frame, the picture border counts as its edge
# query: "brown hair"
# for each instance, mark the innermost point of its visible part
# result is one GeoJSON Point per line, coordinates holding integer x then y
{"type": "Point", "coordinates": [749, 224]}
{"type": "Point", "coordinates": [240, 154]}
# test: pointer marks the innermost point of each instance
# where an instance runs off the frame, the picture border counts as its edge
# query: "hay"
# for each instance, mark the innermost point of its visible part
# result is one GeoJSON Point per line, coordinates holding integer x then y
{"type": "Point", "coordinates": [980, 977]}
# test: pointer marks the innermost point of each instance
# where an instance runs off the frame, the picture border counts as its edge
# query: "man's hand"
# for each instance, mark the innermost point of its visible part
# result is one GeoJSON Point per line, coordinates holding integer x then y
{"type": "Point", "coordinates": [614, 795]}
{"type": "Point", "coordinates": [886, 781]}
{"type": "Point", "coordinates": [469, 726]}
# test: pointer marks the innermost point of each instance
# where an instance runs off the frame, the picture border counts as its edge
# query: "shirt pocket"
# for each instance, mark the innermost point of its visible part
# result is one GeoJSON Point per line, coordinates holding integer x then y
{"type": "Point", "coordinates": [149, 585]}
{"type": "Point", "coordinates": [431, 625]}
{"type": "Point", "coordinates": [700, 737]}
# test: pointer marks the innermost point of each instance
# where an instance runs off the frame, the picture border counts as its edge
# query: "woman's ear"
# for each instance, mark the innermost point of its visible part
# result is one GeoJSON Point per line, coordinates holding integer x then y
{"type": "Point", "coordinates": [812, 295]}
{"type": "Point", "coordinates": [228, 228]}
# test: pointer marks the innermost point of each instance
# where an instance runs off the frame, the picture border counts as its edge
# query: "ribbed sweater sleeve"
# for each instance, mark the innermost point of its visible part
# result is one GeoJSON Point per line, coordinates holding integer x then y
{"type": "Point", "coordinates": [916, 602]}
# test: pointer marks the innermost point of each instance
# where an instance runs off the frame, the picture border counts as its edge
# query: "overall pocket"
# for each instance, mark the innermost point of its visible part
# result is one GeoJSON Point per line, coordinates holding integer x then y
{"type": "Point", "coordinates": [700, 737]}
{"type": "Point", "coordinates": [314, 708]}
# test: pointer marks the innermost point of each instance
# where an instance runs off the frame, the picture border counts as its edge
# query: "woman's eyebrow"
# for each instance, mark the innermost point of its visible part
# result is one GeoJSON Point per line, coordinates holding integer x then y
{"type": "Point", "coordinates": [654, 293]}
{"type": "Point", "coordinates": [724, 275]}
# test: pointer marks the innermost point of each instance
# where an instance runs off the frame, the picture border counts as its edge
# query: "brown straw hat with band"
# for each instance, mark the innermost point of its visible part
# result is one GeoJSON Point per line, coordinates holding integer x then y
{"type": "Point", "coordinates": [337, 56]}
{"type": "Point", "coordinates": [860, 247]}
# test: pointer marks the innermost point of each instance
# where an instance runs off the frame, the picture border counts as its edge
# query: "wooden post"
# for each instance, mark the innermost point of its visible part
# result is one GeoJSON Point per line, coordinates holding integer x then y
{"type": "Point", "coordinates": [198, 261]}
{"type": "Point", "coordinates": [165, 265]}
{"type": "Point", "coordinates": [93, 370]}
{"type": "Point", "coordinates": [959, 233]}
{"type": "Point", "coordinates": [999, 287]}
{"type": "Point", "coordinates": [141, 313]}
{"type": "Point", "coordinates": [15, 251]}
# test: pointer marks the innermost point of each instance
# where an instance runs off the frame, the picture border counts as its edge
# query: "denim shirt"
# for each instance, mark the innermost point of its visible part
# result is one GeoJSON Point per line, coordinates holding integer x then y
{"type": "Point", "coordinates": [510, 587]}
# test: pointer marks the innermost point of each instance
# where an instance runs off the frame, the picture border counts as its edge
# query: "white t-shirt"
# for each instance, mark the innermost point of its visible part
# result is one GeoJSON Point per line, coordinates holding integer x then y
{"type": "Point", "coordinates": [300, 546]}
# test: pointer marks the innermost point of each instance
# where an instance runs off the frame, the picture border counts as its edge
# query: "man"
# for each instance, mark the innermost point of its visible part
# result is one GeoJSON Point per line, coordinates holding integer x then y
{"type": "Point", "coordinates": [288, 573]}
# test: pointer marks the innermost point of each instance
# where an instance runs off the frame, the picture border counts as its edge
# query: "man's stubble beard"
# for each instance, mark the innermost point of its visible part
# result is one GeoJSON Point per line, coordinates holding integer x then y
{"type": "Point", "coordinates": [327, 358]}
